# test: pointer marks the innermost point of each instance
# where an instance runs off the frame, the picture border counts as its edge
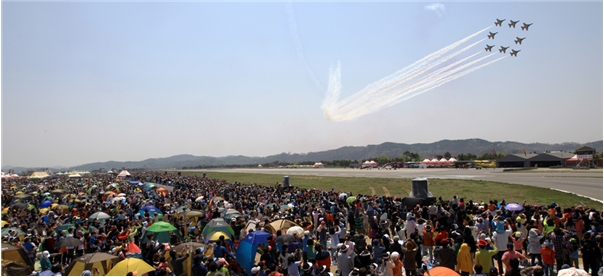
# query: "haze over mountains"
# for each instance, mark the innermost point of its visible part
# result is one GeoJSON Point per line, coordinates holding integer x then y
{"type": "Point", "coordinates": [390, 149]}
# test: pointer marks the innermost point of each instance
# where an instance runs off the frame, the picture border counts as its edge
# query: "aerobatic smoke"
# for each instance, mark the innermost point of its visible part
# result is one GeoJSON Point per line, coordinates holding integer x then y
{"type": "Point", "coordinates": [404, 84]}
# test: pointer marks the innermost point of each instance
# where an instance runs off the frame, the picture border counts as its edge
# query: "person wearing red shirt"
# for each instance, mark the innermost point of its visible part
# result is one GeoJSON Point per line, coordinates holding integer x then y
{"type": "Point", "coordinates": [547, 254]}
{"type": "Point", "coordinates": [510, 254]}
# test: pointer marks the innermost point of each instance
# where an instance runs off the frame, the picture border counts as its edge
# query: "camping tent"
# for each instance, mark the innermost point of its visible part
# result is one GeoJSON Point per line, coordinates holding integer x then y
{"type": "Point", "coordinates": [99, 260]}
{"type": "Point", "coordinates": [280, 224]}
{"type": "Point", "coordinates": [16, 254]}
{"type": "Point", "coordinates": [246, 252]}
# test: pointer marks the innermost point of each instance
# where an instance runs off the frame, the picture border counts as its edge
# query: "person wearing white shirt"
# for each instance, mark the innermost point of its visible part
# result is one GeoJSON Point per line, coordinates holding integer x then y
{"type": "Point", "coordinates": [501, 242]}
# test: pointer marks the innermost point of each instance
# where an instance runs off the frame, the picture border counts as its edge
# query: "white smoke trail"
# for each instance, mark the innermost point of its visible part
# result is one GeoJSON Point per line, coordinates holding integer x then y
{"type": "Point", "coordinates": [293, 29]}
{"type": "Point", "coordinates": [376, 90]}
{"type": "Point", "coordinates": [385, 83]}
{"type": "Point", "coordinates": [427, 83]}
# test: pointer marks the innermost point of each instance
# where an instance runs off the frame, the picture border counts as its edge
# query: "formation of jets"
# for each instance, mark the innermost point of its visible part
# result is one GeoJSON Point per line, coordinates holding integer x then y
{"type": "Point", "coordinates": [518, 40]}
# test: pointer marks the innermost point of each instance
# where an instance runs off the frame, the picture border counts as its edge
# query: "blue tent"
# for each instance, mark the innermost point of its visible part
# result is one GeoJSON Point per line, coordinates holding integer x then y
{"type": "Point", "coordinates": [46, 204]}
{"type": "Point", "coordinates": [246, 252]}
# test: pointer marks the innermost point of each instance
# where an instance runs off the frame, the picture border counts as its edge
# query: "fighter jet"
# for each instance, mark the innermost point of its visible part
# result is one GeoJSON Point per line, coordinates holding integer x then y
{"type": "Point", "coordinates": [498, 22]}
{"type": "Point", "coordinates": [518, 40]}
{"type": "Point", "coordinates": [514, 52]}
{"type": "Point", "coordinates": [525, 26]}
{"type": "Point", "coordinates": [502, 49]}
{"type": "Point", "coordinates": [491, 35]}
{"type": "Point", "coordinates": [513, 23]}
{"type": "Point", "coordinates": [488, 48]}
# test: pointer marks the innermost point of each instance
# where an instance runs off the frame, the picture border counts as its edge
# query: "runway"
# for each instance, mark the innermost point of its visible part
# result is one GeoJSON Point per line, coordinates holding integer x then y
{"type": "Point", "coordinates": [585, 183]}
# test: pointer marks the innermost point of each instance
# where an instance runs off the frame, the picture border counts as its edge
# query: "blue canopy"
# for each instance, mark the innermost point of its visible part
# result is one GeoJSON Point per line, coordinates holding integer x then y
{"type": "Point", "coordinates": [46, 204]}
{"type": "Point", "coordinates": [246, 252]}
{"type": "Point", "coordinates": [134, 182]}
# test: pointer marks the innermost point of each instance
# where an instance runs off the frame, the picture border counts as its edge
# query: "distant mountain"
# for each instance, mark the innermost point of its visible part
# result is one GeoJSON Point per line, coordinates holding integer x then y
{"type": "Point", "coordinates": [390, 149]}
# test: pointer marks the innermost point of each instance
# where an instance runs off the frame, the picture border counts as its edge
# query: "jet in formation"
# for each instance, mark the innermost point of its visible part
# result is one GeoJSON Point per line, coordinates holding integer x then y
{"type": "Point", "coordinates": [498, 22]}
{"type": "Point", "coordinates": [525, 26]}
{"type": "Point", "coordinates": [502, 49]}
{"type": "Point", "coordinates": [488, 48]}
{"type": "Point", "coordinates": [491, 35]}
{"type": "Point", "coordinates": [514, 52]}
{"type": "Point", "coordinates": [518, 40]}
{"type": "Point", "coordinates": [513, 23]}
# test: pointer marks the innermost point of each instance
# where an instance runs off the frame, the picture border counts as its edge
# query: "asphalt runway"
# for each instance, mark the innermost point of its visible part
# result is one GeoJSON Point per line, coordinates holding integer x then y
{"type": "Point", "coordinates": [586, 183]}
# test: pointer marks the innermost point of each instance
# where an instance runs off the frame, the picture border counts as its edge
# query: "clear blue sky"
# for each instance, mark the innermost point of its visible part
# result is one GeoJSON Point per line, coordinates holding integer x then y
{"type": "Point", "coordinates": [93, 82]}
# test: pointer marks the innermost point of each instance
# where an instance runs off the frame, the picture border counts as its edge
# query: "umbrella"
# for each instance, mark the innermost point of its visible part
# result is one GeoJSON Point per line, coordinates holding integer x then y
{"type": "Point", "coordinates": [43, 210]}
{"type": "Point", "coordinates": [57, 191]}
{"type": "Point", "coordinates": [229, 217]}
{"type": "Point", "coordinates": [283, 239]}
{"type": "Point", "coordinates": [121, 194]}
{"type": "Point", "coordinates": [46, 193]}
{"type": "Point", "coordinates": [194, 245]}
{"type": "Point", "coordinates": [69, 242]}
{"type": "Point", "coordinates": [118, 199]}
{"type": "Point", "coordinates": [161, 226]}
{"type": "Point", "coordinates": [351, 199]}
{"type": "Point", "coordinates": [342, 196]}
{"type": "Point", "coordinates": [513, 207]}
{"type": "Point", "coordinates": [232, 211]}
{"type": "Point", "coordinates": [572, 272]}
{"type": "Point", "coordinates": [22, 196]}
{"type": "Point", "coordinates": [217, 199]}
{"type": "Point", "coordinates": [130, 265]}
{"type": "Point", "coordinates": [441, 271]}
{"type": "Point", "coordinates": [6, 230]}
{"type": "Point", "coordinates": [64, 227]}
{"type": "Point", "coordinates": [46, 204]}
{"type": "Point", "coordinates": [295, 230]}
{"type": "Point", "coordinates": [193, 214]}
{"type": "Point", "coordinates": [3, 223]}
{"type": "Point", "coordinates": [109, 192]}
{"type": "Point", "coordinates": [152, 210]}
{"type": "Point", "coordinates": [199, 199]}
{"type": "Point", "coordinates": [87, 261]}
{"type": "Point", "coordinates": [99, 215]}
{"type": "Point", "coordinates": [20, 206]}
{"type": "Point", "coordinates": [215, 236]}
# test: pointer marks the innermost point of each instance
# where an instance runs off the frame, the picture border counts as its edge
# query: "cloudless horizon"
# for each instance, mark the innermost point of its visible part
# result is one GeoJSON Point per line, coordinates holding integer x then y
{"type": "Point", "coordinates": [127, 81]}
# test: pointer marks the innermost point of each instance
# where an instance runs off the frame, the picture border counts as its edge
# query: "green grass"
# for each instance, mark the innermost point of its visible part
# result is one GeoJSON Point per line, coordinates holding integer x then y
{"type": "Point", "coordinates": [468, 189]}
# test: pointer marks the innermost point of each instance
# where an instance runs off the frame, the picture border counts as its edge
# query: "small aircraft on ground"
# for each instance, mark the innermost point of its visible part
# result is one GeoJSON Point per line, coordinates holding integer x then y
{"type": "Point", "coordinates": [513, 23]}
{"type": "Point", "coordinates": [498, 22]}
{"type": "Point", "coordinates": [502, 49]}
{"type": "Point", "coordinates": [525, 26]}
{"type": "Point", "coordinates": [514, 52]}
{"type": "Point", "coordinates": [518, 40]}
{"type": "Point", "coordinates": [491, 35]}
{"type": "Point", "coordinates": [488, 48]}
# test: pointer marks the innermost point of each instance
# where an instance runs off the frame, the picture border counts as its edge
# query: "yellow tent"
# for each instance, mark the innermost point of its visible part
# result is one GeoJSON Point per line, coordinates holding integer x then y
{"type": "Point", "coordinates": [17, 255]}
{"type": "Point", "coordinates": [99, 260]}
{"type": "Point", "coordinates": [130, 265]}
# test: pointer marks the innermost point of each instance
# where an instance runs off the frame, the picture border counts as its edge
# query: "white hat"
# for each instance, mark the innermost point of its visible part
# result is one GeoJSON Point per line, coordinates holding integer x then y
{"type": "Point", "coordinates": [45, 254]}
{"type": "Point", "coordinates": [255, 270]}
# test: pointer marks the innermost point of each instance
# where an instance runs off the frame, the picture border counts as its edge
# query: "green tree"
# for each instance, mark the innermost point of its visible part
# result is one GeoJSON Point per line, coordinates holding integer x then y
{"type": "Point", "coordinates": [447, 155]}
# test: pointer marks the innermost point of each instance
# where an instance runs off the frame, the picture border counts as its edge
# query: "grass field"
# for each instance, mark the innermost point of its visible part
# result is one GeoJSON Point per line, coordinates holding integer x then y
{"type": "Point", "coordinates": [446, 188]}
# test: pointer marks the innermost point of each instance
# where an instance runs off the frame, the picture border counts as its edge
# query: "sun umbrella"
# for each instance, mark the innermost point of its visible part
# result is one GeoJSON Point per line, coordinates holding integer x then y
{"type": "Point", "coordinates": [20, 206]}
{"type": "Point", "coordinates": [46, 204]}
{"type": "Point", "coordinates": [6, 230]}
{"type": "Point", "coordinates": [22, 196]}
{"type": "Point", "coordinates": [57, 191]}
{"type": "Point", "coordinates": [218, 224]}
{"type": "Point", "coordinates": [572, 272]}
{"type": "Point", "coordinates": [513, 207]}
{"type": "Point", "coordinates": [351, 199]}
{"type": "Point", "coordinates": [69, 242]}
{"type": "Point", "coordinates": [295, 230]}
{"type": "Point", "coordinates": [120, 198]}
{"type": "Point", "coordinates": [64, 227]}
{"type": "Point", "coordinates": [3, 223]}
{"type": "Point", "coordinates": [5, 210]}
{"type": "Point", "coordinates": [199, 199]}
{"type": "Point", "coordinates": [215, 236]}
{"type": "Point", "coordinates": [99, 215]}
{"type": "Point", "coordinates": [217, 199]}
{"type": "Point", "coordinates": [130, 265]}
{"type": "Point", "coordinates": [46, 193]}
{"type": "Point", "coordinates": [161, 226]}
{"type": "Point", "coordinates": [109, 192]}
{"type": "Point", "coordinates": [283, 239]}
{"type": "Point", "coordinates": [88, 261]}
{"type": "Point", "coordinates": [121, 194]}
{"type": "Point", "coordinates": [19, 192]}
{"type": "Point", "coordinates": [193, 214]}
{"type": "Point", "coordinates": [441, 271]}
{"type": "Point", "coordinates": [342, 196]}
{"type": "Point", "coordinates": [193, 245]}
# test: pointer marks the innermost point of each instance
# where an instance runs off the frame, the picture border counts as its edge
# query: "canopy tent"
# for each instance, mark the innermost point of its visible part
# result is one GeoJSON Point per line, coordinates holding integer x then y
{"type": "Point", "coordinates": [123, 174]}
{"type": "Point", "coordinates": [281, 224]}
{"type": "Point", "coordinates": [318, 165]}
{"type": "Point", "coordinates": [38, 175]}
{"type": "Point", "coordinates": [74, 174]}
{"type": "Point", "coordinates": [246, 252]}
{"type": "Point", "coordinates": [130, 265]}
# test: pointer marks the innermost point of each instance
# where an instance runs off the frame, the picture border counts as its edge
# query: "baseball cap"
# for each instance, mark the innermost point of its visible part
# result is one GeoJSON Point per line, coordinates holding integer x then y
{"type": "Point", "coordinates": [255, 270]}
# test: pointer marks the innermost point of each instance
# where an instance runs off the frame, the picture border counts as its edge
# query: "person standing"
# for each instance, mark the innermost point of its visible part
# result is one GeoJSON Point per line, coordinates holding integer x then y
{"type": "Point", "coordinates": [464, 260]}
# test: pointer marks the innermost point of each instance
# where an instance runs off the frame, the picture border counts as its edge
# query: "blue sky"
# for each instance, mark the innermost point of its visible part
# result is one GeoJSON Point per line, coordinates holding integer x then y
{"type": "Point", "coordinates": [126, 81]}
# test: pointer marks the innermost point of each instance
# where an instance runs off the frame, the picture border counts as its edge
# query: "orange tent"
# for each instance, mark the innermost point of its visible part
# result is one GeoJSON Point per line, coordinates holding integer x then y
{"type": "Point", "coordinates": [162, 191]}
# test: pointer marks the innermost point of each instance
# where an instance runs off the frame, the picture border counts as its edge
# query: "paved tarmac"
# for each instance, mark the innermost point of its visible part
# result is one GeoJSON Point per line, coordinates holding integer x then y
{"type": "Point", "coordinates": [585, 182]}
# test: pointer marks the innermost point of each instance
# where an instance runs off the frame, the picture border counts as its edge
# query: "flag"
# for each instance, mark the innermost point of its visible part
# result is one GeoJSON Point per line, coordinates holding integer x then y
{"type": "Point", "coordinates": [494, 152]}
{"type": "Point", "coordinates": [523, 151]}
